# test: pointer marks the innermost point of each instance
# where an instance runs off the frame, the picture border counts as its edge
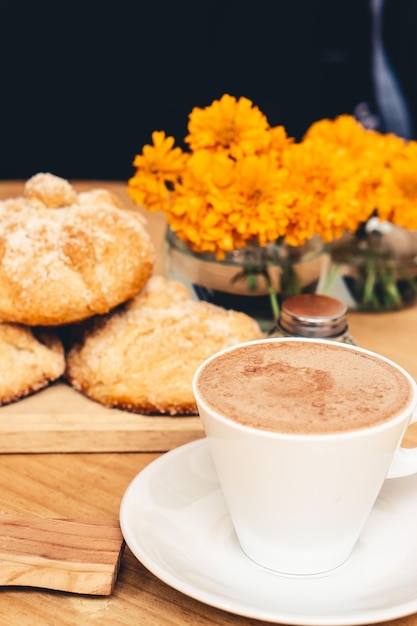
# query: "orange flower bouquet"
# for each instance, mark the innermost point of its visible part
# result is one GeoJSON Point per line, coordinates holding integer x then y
{"type": "Point", "coordinates": [241, 182]}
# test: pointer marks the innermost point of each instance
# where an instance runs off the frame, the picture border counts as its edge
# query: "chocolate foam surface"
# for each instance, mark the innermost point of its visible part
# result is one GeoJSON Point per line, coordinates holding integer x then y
{"type": "Point", "coordinates": [304, 387]}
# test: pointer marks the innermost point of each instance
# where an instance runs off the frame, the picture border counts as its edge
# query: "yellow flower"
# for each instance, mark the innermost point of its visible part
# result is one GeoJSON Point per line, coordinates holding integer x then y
{"type": "Point", "coordinates": [255, 203]}
{"type": "Point", "coordinates": [278, 143]}
{"type": "Point", "coordinates": [234, 126]}
{"type": "Point", "coordinates": [243, 181]}
{"type": "Point", "coordinates": [324, 186]}
{"type": "Point", "coordinates": [205, 168]}
{"type": "Point", "coordinates": [344, 133]}
{"type": "Point", "coordinates": [397, 194]}
{"type": "Point", "coordinates": [159, 164]}
{"type": "Point", "coordinates": [244, 203]}
{"type": "Point", "coordinates": [161, 157]}
{"type": "Point", "coordinates": [149, 191]}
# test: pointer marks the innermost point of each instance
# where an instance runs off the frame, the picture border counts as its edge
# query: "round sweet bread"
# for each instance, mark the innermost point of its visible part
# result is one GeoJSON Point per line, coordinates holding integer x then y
{"type": "Point", "coordinates": [142, 357]}
{"type": "Point", "coordinates": [66, 256]}
{"type": "Point", "coordinates": [29, 360]}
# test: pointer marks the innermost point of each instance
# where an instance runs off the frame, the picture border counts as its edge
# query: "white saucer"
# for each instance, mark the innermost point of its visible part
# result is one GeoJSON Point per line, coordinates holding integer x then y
{"type": "Point", "coordinates": [174, 520]}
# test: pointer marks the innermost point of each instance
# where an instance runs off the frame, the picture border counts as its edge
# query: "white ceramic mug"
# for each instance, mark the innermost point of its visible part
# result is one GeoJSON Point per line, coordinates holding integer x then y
{"type": "Point", "coordinates": [298, 502]}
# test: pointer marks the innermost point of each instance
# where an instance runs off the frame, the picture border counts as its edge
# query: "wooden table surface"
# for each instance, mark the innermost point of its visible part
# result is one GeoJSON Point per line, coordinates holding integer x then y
{"type": "Point", "coordinates": [89, 487]}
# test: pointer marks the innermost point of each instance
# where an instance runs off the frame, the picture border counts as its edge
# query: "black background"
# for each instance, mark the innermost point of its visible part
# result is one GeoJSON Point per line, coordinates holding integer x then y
{"type": "Point", "coordinates": [83, 85]}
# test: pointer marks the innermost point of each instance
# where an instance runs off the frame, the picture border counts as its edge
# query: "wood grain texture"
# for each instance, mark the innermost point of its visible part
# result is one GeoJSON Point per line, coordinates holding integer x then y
{"type": "Point", "coordinates": [65, 555]}
{"type": "Point", "coordinates": [393, 335]}
{"type": "Point", "coordinates": [59, 419]}
{"type": "Point", "coordinates": [90, 486]}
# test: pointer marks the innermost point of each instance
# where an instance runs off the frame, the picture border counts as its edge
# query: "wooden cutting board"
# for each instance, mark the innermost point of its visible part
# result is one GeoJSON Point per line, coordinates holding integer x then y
{"type": "Point", "coordinates": [59, 419]}
{"type": "Point", "coordinates": [65, 555]}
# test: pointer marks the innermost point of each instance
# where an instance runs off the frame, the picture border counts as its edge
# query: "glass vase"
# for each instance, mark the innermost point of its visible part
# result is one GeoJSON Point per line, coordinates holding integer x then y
{"type": "Point", "coordinates": [253, 280]}
{"type": "Point", "coordinates": [375, 270]}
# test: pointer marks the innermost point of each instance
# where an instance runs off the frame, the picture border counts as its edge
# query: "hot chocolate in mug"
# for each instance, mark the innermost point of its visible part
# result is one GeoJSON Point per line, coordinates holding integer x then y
{"type": "Point", "coordinates": [303, 434]}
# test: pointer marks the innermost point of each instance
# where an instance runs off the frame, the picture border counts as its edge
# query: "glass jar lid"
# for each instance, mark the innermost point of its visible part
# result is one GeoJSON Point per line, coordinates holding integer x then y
{"type": "Point", "coordinates": [313, 315]}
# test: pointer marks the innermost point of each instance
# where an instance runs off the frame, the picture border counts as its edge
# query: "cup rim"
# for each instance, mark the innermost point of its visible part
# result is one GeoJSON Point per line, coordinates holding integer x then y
{"type": "Point", "coordinates": [357, 432]}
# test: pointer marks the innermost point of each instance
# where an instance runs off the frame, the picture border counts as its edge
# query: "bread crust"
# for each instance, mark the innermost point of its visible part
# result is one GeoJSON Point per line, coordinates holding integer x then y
{"type": "Point", "coordinates": [142, 358]}
{"type": "Point", "coordinates": [29, 360]}
{"type": "Point", "coordinates": [65, 257]}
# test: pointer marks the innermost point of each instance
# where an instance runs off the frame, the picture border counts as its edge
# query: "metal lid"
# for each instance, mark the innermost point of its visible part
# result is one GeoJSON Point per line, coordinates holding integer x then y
{"type": "Point", "coordinates": [313, 315]}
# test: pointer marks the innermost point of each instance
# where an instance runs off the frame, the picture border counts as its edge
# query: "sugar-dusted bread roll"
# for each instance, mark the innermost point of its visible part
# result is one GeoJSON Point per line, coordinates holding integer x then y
{"type": "Point", "coordinates": [66, 256]}
{"type": "Point", "coordinates": [29, 360]}
{"type": "Point", "coordinates": [142, 358]}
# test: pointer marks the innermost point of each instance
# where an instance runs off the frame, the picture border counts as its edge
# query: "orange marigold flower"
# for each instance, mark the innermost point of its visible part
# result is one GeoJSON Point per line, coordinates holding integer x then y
{"type": "Point", "coordinates": [397, 194]}
{"type": "Point", "coordinates": [149, 191]}
{"type": "Point", "coordinates": [278, 143]}
{"type": "Point", "coordinates": [161, 157]}
{"type": "Point", "coordinates": [342, 133]}
{"type": "Point", "coordinates": [205, 168]}
{"type": "Point", "coordinates": [249, 207]}
{"type": "Point", "coordinates": [325, 186]}
{"type": "Point", "coordinates": [235, 126]}
{"type": "Point", "coordinates": [242, 181]}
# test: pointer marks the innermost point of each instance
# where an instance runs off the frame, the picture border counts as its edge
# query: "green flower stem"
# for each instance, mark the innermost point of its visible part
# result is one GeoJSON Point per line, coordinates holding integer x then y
{"type": "Point", "coordinates": [290, 285]}
{"type": "Point", "coordinates": [330, 277]}
{"type": "Point", "coordinates": [252, 280]}
{"type": "Point", "coordinates": [369, 296]}
{"type": "Point", "coordinates": [392, 294]}
{"type": "Point", "coordinates": [378, 281]}
{"type": "Point", "coordinates": [380, 271]}
{"type": "Point", "coordinates": [251, 275]}
{"type": "Point", "coordinates": [272, 294]}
